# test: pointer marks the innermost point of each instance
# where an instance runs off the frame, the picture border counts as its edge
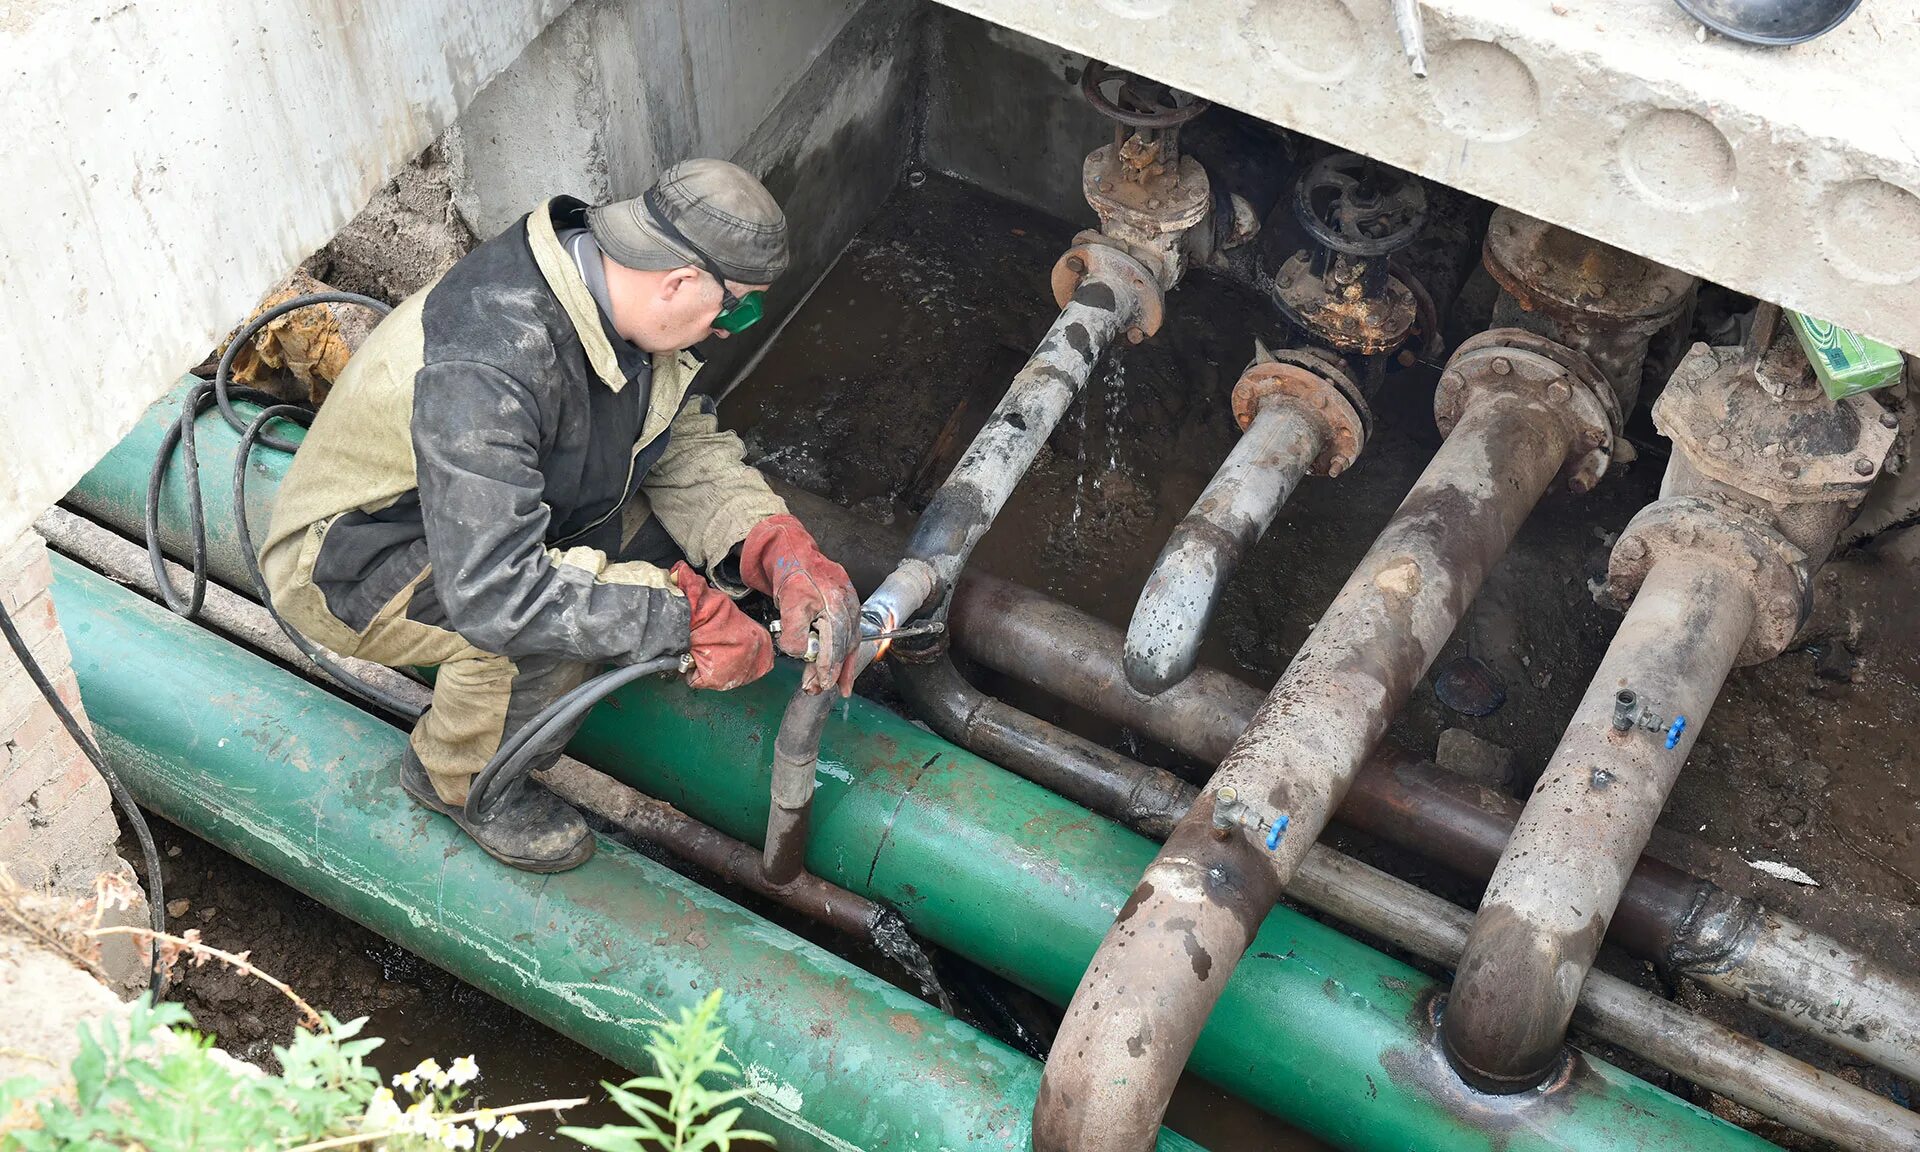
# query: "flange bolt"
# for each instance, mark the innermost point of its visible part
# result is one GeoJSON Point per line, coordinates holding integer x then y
{"type": "Point", "coordinates": [1863, 466]}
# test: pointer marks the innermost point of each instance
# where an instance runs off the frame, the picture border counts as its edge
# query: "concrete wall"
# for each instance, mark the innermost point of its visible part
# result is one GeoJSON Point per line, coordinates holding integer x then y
{"type": "Point", "coordinates": [1790, 174]}
{"type": "Point", "coordinates": [1004, 110]}
{"type": "Point", "coordinates": [170, 162]}
{"type": "Point", "coordinates": [813, 96]}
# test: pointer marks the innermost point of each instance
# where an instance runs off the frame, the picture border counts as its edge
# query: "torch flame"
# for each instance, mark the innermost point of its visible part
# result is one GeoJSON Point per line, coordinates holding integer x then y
{"type": "Point", "coordinates": [886, 625]}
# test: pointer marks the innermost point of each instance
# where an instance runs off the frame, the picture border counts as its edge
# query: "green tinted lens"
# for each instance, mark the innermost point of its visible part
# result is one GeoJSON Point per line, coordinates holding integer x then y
{"type": "Point", "coordinates": [744, 314]}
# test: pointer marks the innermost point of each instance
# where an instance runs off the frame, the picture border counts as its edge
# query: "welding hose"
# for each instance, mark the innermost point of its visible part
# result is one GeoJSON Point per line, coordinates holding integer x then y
{"type": "Point", "coordinates": [516, 754]}
{"type": "Point", "coordinates": [182, 435]}
{"type": "Point", "coordinates": [157, 897]}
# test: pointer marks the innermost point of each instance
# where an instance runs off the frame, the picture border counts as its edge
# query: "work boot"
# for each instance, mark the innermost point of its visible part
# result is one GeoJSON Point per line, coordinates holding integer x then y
{"type": "Point", "coordinates": [528, 827]}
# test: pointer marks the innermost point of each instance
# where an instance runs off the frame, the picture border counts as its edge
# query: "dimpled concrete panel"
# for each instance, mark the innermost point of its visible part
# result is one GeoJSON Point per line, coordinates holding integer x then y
{"type": "Point", "coordinates": [1787, 173]}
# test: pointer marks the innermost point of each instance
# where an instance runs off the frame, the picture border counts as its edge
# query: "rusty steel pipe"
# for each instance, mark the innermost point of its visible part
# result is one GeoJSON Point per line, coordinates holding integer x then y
{"type": "Point", "coordinates": [1104, 292]}
{"type": "Point", "coordinates": [1180, 595]}
{"type": "Point", "coordinates": [1733, 945]}
{"type": "Point", "coordinates": [1564, 868]}
{"type": "Point", "coordinates": [1150, 800]}
{"type": "Point", "coordinates": [1167, 957]}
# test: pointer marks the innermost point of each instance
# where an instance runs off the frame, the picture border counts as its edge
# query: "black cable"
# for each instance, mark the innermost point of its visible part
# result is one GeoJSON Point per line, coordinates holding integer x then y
{"type": "Point", "coordinates": [222, 394]}
{"type": "Point", "coordinates": [157, 899]}
{"type": "Point", "coordinates": [181, 434]}
{"type": "Point", "coordinates": [513, 758]}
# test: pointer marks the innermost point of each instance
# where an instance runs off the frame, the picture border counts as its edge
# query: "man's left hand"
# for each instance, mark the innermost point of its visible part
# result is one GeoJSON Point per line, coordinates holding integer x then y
{"type": "Point", "coordinates": [812, 593]}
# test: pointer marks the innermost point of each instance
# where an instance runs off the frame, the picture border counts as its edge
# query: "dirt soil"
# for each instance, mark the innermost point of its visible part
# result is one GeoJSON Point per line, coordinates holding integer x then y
{"type": "Point", "coordinates": [343, 968]}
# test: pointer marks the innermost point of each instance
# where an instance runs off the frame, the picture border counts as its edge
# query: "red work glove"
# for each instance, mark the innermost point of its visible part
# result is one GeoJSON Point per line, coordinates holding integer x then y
{"type": "Point", "coordinates": [813, 593]}
{"type": "Point", "coordinates": [728, 648]}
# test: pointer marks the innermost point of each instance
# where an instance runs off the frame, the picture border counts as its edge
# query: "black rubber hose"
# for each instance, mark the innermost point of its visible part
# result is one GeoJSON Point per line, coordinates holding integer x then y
{"type": "Point", "coordinates": [515, 756]}
{"type": "Point", "coordinates": [181, 435]}
{"type": "Point", "coordinates": [157, 898]}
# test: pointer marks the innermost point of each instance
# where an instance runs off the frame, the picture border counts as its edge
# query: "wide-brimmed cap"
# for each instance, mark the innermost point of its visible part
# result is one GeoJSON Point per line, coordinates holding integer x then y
{"type": "Point", "coordinates": [700, 212]}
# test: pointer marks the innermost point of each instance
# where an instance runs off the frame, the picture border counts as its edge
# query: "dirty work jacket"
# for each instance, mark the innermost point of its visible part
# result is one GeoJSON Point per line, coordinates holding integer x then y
{"type": "Point", "coordinates": [488, 447]}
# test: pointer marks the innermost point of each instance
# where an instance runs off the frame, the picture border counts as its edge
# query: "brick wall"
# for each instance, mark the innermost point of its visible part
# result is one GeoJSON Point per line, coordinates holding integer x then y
{"type": "Point", "coordinates": [57, 824]}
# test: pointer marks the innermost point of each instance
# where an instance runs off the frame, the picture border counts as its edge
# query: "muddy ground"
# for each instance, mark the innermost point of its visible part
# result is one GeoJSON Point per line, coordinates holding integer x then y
{"type": "Point", "coordinates": [868, 397]}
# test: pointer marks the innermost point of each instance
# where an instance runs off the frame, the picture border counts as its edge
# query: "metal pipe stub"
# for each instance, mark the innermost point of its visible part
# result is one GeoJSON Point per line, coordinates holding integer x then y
{"type": "Point", "coordinates": [1299, 412]}
{"type": "Point", "coordinates": [1099, 256]}
{"type": "Point", "coordinates": [1513, 359]}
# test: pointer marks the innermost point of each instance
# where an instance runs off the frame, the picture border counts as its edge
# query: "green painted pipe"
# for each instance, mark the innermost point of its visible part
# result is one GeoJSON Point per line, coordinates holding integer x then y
{"type": "Point", "coordinates": [1313, 1026]}
{"type": "Point", "coordinates": [301, 785]}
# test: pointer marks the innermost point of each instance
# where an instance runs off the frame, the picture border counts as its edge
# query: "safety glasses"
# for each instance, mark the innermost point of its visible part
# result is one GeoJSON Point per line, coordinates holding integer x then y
{"type": "Point", "coordinates": [738, 313]}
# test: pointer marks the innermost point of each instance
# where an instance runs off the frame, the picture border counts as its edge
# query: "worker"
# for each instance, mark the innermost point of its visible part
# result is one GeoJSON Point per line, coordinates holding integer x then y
{"type": "Point", "coordinates": [511, 481]}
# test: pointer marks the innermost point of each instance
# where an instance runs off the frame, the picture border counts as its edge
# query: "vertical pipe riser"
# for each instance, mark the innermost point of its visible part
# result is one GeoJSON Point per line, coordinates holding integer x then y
{"type": "Point", "coordinates": [1161, 967]}
{"type": "Point", "coordinates": [1561, 875]}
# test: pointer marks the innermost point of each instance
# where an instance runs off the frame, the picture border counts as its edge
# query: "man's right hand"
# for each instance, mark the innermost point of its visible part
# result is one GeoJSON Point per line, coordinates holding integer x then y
{"type": "Point", "coordinates": [729, 649]}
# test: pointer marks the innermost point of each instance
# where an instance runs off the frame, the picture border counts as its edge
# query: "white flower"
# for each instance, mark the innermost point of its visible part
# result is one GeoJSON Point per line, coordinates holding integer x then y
{"type": "Point", "coordinates": [456, 1136]}
{"type": "Point", "coordinates": [510, 1127]}
{"type": "Point", "coordinates": [464, 1071]}
{"type": "Point", "coordinates": [426, 1071]}
{"type": "Point", "coordinates": [406, 1081]}
{"type": "Point", "coordinates": [382, 1112]}
{"type": "Point", "coordinates": [420, 1120]}
{"type": "Point", "coordinates": [484, 1119]}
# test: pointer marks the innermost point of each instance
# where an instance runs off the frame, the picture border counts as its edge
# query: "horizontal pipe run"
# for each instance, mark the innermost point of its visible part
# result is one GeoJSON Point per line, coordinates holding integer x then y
{"type": "Point", "coordinates": [1194, 911]}
{"type": "Point", "coordinates": [596, 793]}
{"type": "Point", "coordinates": [1563, 870]}
{"type": "Point", "coordinates": [1180, 595]}
{"type": "Point", "coordinates": [301, 784]}
{"type": "Point", "coordinates": [1853, 1001]}
{"type": "Point", "coordinates": [1730, 944]}
{"type": "Point", "coordinates": [1148, 800]}
{"type": "Point", "coordinates": [1674, 1039]}
{"type": "Point", "coordinates": [920, 833]}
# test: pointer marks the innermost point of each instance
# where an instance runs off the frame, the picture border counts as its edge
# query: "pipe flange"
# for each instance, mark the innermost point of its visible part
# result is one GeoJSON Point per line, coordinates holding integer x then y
{"type": "Point", "coordinates": [1116, 267]}
{"type": "Point", "coordinates": [1799, 449]}
{"type": "Point", "coordinates": [1775, 569]}
{"type": "Point", "coordinates": [1515, 360]}
{"type": "Point", "coordinates": [1344, 316]}
{"type": "Point", "coordinates": [1318, 385]}
{"type": "Point", "coordinates": [1572, 279]}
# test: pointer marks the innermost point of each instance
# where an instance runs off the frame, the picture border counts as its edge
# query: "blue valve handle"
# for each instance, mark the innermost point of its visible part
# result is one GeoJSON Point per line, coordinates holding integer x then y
{"type": "Point", "coordinates": [1673, 732]}
{"type": "Point", "coordinates": [1278, 829]}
